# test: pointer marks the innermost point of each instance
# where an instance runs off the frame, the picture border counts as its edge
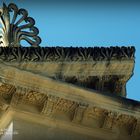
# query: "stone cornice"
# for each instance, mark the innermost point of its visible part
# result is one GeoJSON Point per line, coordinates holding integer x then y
{"type": "Point", "coordinates": [79, 107]}
{"type": "Point", "coordinates": [37, 94]}
{"type": "Point", "coordinates": [80, 66]}
{"type": "Point", "coordinates": [66, 53]}
{"type": "Point", "coordinates": [41, 84]}
{"type": "Point", "coordinates": [84, 117]}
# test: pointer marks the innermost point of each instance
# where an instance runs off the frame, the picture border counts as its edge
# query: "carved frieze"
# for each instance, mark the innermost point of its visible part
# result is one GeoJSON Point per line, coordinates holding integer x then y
{"type": "Point", "coordinates": [34, 97]}
{"type": "Point", "coordinates": [6, 91]}
{"type": "Point", "coordinates": [125, 123]}
{"type": "Point", "coordinates": [81, 113]}
{"type": "Point", "coordinates": [64, 54]}
{"type": "Point", "coordinates": [55, 105]}
{"type": "Point", "coordinates": [48, 107]}
{"type": "Point", "coordinates": [64, 105]}
{"type": "Point", "coordinates": [18, 95]}
{"type": "Point", "coordinates": [109, 120]}
{"type": "Point", "coordinates": [94, 116]}
{"type": "Point", "coordinates": [3, 105]}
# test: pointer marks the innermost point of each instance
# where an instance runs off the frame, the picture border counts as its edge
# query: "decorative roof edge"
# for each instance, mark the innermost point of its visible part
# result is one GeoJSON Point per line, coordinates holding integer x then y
{"type": "Point", "coordinates": [13, 54]}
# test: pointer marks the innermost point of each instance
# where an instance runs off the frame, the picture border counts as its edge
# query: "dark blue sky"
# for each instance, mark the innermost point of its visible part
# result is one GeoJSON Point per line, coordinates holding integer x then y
{"type": "Point", "coordinates": [89, 23]}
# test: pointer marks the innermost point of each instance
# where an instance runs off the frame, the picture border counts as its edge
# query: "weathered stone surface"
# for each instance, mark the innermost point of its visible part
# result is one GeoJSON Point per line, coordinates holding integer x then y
{"type": "Point", "coordinates": [103, 75]}
{"type": "Point", "coordinates": [63, 93]}
{"type": "Point", "coordinates": [61, 54]}
{"type": "Point", "coordinates": [70, 105]}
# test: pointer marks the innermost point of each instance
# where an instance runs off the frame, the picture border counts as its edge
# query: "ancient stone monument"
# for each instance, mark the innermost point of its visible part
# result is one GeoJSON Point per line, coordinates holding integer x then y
{"type": "Point", "coordinates": [56, 93]}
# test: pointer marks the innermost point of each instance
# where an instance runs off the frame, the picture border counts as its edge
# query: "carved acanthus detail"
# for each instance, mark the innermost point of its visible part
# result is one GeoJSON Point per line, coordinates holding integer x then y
{"type": "Point", "coordinates": [69, 54]}
{"type": "Point", "coordinates": [17, 27]}
{"type": "Point", "coordinates": [6, 91]}
{"type": "Point", "coordinates": [58, 105]}
{"type": "Point", "coordinates": [34, 98]}
{"type": "Point", "coordinates": [65, 105]}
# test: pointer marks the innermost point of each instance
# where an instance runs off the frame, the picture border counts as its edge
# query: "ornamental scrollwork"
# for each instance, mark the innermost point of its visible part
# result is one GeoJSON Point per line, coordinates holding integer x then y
{"type": "Point", "coordinates": [16, 26]}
